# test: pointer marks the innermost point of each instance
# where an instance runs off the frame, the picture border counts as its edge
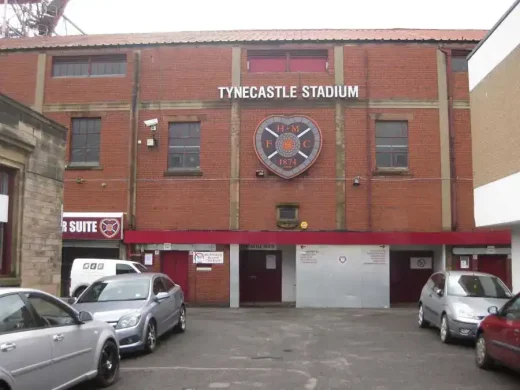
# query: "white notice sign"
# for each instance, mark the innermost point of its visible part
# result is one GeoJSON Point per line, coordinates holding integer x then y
{"type": "Point", "coordinates": [421, 262]}
{"type": "Point", "coordinates": [270, 262]}
{"type": "Point", "coordinates": [208, 257]}
{"type": "Point", "coordinates": [148, 259]}
{"type": "Point", "coordinates": [464, 262]}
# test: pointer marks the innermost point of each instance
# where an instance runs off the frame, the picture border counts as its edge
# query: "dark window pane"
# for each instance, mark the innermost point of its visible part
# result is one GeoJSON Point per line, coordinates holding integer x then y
{"type": "Point", "coordinates": [459, 64]}
{"type": "Point", "coordinates": [79, 140]}
{"type": "Point", "coordinates": [179, 130]}
{"type": "Point", "coordinates": [91, 155]}
{"type": "Point", "coordinates": [184, 142]}
{"type": "Point", "coordinates": [391, 129]}
{"type": "Point", "coordinates": [191, 160]}
{"type": "Point", "coordinates": [400, 160]}
{"type": "Point", "coordinates": [383, 159]}
{"type": "Point", "coordinates": [175, 160]}
{"type": "Point", "coordinates": [77, 155]}
{"type": "Point", "coordinates": [93, 141]}
{"type": "Point", "coordinates": [287, 213]}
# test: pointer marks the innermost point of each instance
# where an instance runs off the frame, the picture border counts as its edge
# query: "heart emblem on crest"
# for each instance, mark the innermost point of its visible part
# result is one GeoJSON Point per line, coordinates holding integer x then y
{"type": "Point", "coordinates": [109, 227]}
{"type": "Point", "coordinates": [288, 145]}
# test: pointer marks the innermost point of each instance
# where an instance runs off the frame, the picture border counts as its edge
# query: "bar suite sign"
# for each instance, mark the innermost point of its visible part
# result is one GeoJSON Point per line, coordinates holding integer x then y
{"type": "Point", "coordinates": [290, 92]}
{"type": "Point", "coordinates": [81, 226]}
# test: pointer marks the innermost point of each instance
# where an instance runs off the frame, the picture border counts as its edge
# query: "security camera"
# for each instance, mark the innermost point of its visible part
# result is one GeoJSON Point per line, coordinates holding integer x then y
{"type": "Point", "coordinates": [151, 122]}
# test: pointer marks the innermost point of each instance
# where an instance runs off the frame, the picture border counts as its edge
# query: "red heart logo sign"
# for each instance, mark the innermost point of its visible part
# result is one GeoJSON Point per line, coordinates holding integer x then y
{"type": "Point", "coordinates": [288, 145]}
{"type": "Point", "coordinates": [109, 227]}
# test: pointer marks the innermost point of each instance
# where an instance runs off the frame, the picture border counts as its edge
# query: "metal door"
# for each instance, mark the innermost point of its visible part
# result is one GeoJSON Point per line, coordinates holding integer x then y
{"type": "Point", "coordinates": [261, 276]}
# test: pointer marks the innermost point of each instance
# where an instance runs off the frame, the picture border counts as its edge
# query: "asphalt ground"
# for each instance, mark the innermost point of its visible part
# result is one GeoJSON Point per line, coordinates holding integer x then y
{"type": "Point", "coordinates": [285, 348]}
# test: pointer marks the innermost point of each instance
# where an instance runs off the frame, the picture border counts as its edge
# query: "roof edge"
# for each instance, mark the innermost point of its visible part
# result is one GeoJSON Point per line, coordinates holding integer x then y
{"type": "Point", "coordinates": [492, 30]}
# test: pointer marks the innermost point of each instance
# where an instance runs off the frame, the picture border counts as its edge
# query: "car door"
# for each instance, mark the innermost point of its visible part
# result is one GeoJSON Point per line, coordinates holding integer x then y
{"type": "Point", "coordinates": [438, 297]}
{"type": "Point", "coordinates": [175, 301]}
{"type": "Point", "coordinates": [507, 334]}
{"type": "Point", "coordinates": [162, 308]}
{"type": "Point", "coordinates": [25, 345]}
{"type": "Point", "coordinates": [72, 346]}
{"type": "Point", "coordinates": [426, 299]}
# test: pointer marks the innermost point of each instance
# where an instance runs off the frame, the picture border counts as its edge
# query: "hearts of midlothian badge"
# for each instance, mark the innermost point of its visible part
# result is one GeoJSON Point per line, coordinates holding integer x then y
{"type": "Point", "coordinates": [288, 145]}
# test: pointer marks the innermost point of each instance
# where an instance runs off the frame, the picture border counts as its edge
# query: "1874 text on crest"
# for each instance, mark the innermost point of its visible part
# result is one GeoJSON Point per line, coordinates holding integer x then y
{"type": "Point", "coordinates": [288, 145]}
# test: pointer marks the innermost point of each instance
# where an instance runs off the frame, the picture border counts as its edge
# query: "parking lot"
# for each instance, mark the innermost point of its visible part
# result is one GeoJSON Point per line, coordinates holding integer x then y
{"type": "Point", "coordinates": [281, 348]}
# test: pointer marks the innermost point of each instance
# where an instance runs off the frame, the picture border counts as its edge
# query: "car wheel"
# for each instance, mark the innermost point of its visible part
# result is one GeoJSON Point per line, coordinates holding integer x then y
{"type": "Point", "coordinates": [420, 318]}
{"type": "Point", "coordinates": [482, 357]}
{"type": "Point", "coordinates": [181, 325]}
{"type": "Point", "coordinates": [445, 330]}
{"type": "Point", "coordinates": [3, 387]}
{"type": "Point", "coordinates": [108, 365]}
{"type": "Point", "coordinates": [151, 337]}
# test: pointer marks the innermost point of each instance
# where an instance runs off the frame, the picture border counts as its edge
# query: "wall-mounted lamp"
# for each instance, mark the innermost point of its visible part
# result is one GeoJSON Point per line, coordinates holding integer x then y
{"type": "Point", "coordinates": [260, 173]}
{"type": "Point", "coordinates": [357, 181]}
{"type": "Point", "coordinates": [80, 180]}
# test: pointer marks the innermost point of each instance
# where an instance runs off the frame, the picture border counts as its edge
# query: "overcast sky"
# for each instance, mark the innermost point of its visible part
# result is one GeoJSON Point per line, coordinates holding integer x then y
{"type": "Point", "coordinates": [124, 16]}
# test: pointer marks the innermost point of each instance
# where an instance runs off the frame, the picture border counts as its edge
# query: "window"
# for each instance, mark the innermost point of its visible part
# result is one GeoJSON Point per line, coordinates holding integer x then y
{"type": "Point", "coordinates": [439, 281]}
{"type": "Point", "coordinates": [168, 283]}
{"type": "Point", "coordinates": [51, 313]}
{"type": "Point", "coordinates": [287, 61]}
{"type": "Point", "coordinates": [140, 267]}
{"type": "Point", "coordinates": [116, 290]}
{"type": "Point", "coordinates": [124, 269]}
{"type": "Point", "coordinates": [392, 144]}
{"type": "Point", "coordinates": [511, 310]}
{"type": "Point", "coordinates": [477, 286]}
{"type": "Point", "coordinates": [14, 315]}
{"type": "Point", "coordinates": [184, 145]}
{"type": "Point", "coordinates": [6, 189]}
{"type": "Point", "coordinates": [158, 286]}
{"type": "Point", "coordinates": [85, 141]}
{"type": "Point", "coordinates": [459, 64]}
{"type": "Point", "coordinates": [89, 66]}
{"type": "Point", "coordinates": [287, 215]}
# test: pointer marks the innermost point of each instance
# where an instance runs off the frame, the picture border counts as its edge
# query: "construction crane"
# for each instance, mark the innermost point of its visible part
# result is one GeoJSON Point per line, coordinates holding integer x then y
{"type": "Point", "coordinates": [30, 18]}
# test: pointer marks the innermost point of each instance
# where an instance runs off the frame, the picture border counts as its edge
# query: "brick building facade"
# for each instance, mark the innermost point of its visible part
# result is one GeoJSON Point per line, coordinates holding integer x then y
{"type": "Point", "coordinates": [390, 186]}
{"type": "Point", "coordinates": [32, 159]}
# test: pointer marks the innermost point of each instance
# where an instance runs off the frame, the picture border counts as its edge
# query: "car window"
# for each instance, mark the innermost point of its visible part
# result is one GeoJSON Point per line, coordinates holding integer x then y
{"type": "Point", "coordinates": [430, 283]}
{"type": "Point", "coordinates": [158, 286]}
{"type": "Point", "coordinates": [511, 309]}
{"type": "Point", "coordinates": [140, 267]}
{"type": "Point", "coordinates": [439, 281]}
{"type": "Point", "coordinates": [14, 315]}
{"type": "Point", "coordinates": [478, 286]}
{"type": "Point", "coordinates": [168, 283]}
{"type": "Point", "coordinates": [117, 290]}
{"type": "Point", "coordinates": [124, 269]}
{"type": "Point", "coordinates": [51, 313]}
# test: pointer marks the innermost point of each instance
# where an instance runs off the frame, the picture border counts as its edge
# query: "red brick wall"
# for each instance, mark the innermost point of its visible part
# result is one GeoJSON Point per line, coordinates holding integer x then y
{"type": "Point", "coordinates": [396, 71]}
{"type": "Point", "coordinates": [205, 287]}
{"type": "Point", "coordinates": [18, 76]}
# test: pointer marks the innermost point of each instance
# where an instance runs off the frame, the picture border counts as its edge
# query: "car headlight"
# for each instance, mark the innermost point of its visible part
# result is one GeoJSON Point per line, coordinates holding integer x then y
{"type": "Point", "coordinates": [128, 321]}
{"type": "Point", "coordinates": [465, 312]}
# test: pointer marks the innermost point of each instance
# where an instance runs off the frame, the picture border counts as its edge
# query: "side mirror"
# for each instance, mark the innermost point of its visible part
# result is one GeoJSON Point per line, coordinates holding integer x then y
{"type": "Point", "coordinates": [162, 296]}
{"type": "Point", "coordinates": [493, 310]}
{"type": "Point", "coordinates": [72, 300]}
{"type": "Point", "coordinates": [85, 316]}
{"type": "Point", "coordinates": [439, 292]}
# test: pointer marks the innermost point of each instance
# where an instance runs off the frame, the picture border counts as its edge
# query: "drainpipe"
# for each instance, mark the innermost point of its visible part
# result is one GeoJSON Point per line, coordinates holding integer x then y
{"type": "Point", "coordinates": [369, 151]}
{"type": "Point", "coordinates": [453, 171]}
{"type": "Point", "coordinates": [134, 121]}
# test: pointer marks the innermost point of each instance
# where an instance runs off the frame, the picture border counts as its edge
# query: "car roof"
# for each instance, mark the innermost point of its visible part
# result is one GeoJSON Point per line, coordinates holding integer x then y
{"type": "Point", "coordinates": [133, 276]}
{"type": "Point", "coordinates": [472, 273]}
{"type": "Point", "coordinates": [10, 290]}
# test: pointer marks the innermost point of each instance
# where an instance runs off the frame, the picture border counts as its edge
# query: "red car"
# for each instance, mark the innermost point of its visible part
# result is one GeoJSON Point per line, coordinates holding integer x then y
{"type": "Point", "coordinates": [498, 336]}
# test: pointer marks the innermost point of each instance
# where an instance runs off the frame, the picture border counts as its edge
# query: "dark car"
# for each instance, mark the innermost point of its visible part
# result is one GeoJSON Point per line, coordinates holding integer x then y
{"type": "Point", "coordinates": [498, 336]}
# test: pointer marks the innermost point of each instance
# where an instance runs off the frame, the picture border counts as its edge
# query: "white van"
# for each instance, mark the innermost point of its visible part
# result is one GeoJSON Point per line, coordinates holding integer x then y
{"type": "Point", "coordinates": [86, 271]}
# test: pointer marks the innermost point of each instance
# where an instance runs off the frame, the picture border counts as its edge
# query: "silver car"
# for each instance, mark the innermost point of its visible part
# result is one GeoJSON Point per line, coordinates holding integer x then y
{"type": "Point", "coordinates": [140, 307]}
{"type": "Point", "coordinates": [45, 344]}
{"type": "Point", "coordinates": [457, 301]}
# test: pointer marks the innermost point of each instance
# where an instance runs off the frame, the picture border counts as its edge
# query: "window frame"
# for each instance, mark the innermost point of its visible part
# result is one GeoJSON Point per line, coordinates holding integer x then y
{"type": "Point", "coordinates": [172, 148]}
{"type": "Point", "coordinates": [288, 55]}
{"type": "Point", "coordinates": [89, 60]}
{"type": "Point", "coordinates": [391, 153]}
{"type": "Point", "coordinates": [134, 271]}
{"type": "Point", "coordinates": [160, 281]}
{"type": "Point", "coordinates": [51, 301]}
{"type": "Point", "coordinates": [29, 307]}
{"type": "Point", "coordinates": [84, 164]}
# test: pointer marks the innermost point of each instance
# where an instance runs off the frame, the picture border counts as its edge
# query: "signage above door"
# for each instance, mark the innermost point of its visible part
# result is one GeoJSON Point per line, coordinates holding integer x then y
{"type": "Point", "coordinates": [92, 226]}
{"type": "Point", "coordinates": [288, 145]}
{"type": "Point", "coordinates": [290, 92]}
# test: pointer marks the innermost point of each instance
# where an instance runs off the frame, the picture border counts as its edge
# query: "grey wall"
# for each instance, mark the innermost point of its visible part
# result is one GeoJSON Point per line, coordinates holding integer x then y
{"type": "Point", "coordinates": [362, 281]}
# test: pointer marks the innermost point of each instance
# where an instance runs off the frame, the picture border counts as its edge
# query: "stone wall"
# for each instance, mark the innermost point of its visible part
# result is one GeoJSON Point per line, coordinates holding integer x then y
{"type": "Point", "coordinates": [38, 153]}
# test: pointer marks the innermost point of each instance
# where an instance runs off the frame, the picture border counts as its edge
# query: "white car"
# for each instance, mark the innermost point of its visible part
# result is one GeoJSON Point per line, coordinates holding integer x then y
{"type": "Point", "coordinates": [46, 344]}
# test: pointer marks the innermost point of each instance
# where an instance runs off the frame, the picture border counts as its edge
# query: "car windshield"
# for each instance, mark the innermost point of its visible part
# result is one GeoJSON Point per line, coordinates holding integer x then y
{"type": "Point", "coordinates": [140, 267]}
{"type": "Point", "coordinates": [117, 290]}
{"type": "Point", "coordinates": [477, 286]}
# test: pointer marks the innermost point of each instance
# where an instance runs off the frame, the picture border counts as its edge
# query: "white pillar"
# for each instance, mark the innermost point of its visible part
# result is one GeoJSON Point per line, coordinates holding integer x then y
{"type": "Point", "coordinates": [515, 259]}
{"type": "Point", "coordinates": [234, 275]}
{"type": "Point", "coordinates": [444, 257]}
